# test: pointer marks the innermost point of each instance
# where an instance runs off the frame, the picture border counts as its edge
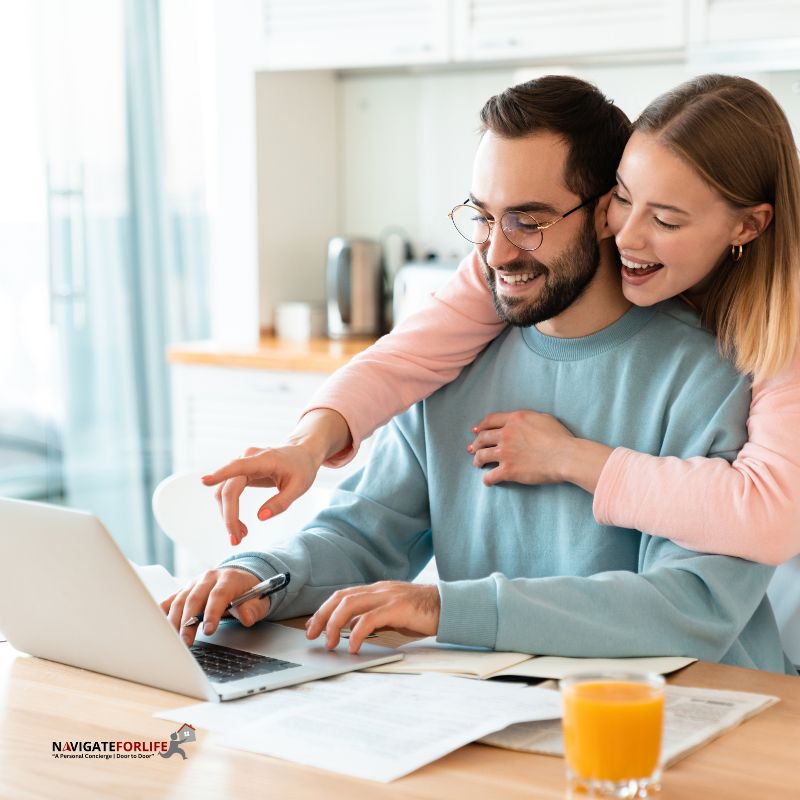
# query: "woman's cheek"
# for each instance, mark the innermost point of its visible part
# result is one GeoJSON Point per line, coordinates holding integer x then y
{"type": "Point", "coordinates": [614, 217]}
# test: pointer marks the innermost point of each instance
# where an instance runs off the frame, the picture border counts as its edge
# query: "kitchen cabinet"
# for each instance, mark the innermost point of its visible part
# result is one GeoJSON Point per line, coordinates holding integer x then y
{"type": "Point", "coordinates": [499, 30]}
{"type": "Point", "coordinates": [224, 401]}
{"type": "Point", "coordinates": [735, 36]}
{"type": "Point", "coordinates": [314, 34]}
{"type": "Point", "coordinates": [717, 21]}
{"type": "Point", "coordinates": [342, 34]}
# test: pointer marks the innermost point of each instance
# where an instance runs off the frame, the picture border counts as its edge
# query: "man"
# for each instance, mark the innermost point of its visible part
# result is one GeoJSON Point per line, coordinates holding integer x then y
{"type": "Point", "coordinates": [527, 568]}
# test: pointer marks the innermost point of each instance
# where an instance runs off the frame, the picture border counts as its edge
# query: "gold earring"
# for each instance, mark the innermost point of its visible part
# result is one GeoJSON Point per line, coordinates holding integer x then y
{"type": "Point", "coordinates": [736, 251]}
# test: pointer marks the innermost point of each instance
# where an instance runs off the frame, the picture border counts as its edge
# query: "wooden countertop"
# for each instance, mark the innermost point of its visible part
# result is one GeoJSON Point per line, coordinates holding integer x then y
{"type": "Point", "coordinates": [42, 702]}
{"type": "Point", "coordinates": [316, 355]}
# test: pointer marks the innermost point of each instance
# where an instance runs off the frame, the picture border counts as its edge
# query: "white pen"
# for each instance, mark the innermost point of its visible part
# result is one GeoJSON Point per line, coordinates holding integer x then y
{"type": "Point", "coordinates": [260, 590]}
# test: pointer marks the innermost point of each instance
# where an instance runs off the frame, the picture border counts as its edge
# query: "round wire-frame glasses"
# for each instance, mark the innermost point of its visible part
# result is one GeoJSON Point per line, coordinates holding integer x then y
{"type": "Point", "coordinates": [523, 230]}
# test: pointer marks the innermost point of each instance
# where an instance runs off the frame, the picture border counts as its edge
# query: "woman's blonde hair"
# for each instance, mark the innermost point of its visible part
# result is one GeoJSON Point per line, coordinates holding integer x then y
{"type": "Point", "coordinates": [735, 135]}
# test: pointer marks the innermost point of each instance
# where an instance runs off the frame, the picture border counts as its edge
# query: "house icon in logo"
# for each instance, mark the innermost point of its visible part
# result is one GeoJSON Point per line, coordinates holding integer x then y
{"type": "Point", "coordinates": [186, 733]}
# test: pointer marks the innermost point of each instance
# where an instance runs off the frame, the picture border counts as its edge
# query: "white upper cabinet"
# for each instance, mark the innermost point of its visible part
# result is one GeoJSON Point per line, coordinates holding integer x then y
{"type": "Point", "coordinates": [315, 34]}
{"type": "Point", "coordinates": [491, 30]}
{"type": "Point", "coordinates": [718, 21]}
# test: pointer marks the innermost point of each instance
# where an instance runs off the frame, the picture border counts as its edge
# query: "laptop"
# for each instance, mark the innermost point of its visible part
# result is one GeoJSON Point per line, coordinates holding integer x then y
{"type": "Point", "coordinates": [68, 594]}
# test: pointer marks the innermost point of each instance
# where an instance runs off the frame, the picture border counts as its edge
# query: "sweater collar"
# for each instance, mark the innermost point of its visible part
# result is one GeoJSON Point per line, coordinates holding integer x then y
{"type": "Point", "coordinates": [557, 348]}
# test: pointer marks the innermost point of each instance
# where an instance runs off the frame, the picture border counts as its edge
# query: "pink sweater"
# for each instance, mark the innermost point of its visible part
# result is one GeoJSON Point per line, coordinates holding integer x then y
{"type": "Point", "coordinates": [750, 508]}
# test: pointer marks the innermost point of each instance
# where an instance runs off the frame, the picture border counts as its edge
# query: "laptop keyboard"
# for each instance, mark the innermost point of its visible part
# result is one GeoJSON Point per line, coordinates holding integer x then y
{"type": "Point", "coordinates": [223, 664]}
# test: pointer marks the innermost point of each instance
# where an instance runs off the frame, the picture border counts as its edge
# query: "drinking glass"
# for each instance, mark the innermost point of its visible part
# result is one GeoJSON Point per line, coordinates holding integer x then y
{"type": "Point", "coordinates": [612, 733]}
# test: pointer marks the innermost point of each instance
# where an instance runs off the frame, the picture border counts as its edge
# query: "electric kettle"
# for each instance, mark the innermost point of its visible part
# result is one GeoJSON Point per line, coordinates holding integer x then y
{"type": "Point", "coordinates": [355, 287]}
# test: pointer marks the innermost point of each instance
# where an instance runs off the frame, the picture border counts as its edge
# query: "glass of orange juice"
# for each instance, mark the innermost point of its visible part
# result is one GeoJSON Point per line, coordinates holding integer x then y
{"type": "Point", "coordinates": [612, 733]}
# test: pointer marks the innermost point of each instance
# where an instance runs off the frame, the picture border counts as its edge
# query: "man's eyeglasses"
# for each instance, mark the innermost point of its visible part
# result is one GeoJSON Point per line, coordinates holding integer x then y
{"type": "Point", "coordinates": [520, 228]}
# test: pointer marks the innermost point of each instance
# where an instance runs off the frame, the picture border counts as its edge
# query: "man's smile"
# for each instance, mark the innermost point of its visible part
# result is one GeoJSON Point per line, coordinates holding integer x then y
{"type": "Point", "coordinates": [518, 282]}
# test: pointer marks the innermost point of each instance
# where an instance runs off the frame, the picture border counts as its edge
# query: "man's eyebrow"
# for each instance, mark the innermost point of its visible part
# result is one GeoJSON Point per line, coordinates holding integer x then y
{"type": "Point", "coordinates": [531, 207]}
{"type": "Point", "coordinates": [653, 205]}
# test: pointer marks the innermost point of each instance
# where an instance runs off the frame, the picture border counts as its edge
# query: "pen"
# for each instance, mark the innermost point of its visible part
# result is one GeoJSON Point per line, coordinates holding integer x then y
{"type": "Point", "coordinates": [260, 590]}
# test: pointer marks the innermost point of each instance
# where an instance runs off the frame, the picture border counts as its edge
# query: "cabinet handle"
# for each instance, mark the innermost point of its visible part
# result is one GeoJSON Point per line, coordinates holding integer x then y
{"type": "Point", "coordinates": [494, 44]}
{"type": "Point", "coordinates": [410, 49]}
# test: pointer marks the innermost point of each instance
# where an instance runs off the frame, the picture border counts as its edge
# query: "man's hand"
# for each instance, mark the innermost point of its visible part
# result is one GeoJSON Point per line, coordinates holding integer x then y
{"type": "Point", "coordinates": [410, 607]}
{"type": "Point", "coordinates": [209, 595]}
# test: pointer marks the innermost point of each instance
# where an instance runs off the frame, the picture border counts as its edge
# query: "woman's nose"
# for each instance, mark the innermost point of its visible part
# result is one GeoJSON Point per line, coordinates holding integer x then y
{"type": "Point", "coordinates": [630, 236]}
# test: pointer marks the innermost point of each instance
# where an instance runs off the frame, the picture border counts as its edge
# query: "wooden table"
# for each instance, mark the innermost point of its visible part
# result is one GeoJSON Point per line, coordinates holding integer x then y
{"type": "Point", "coordinates": [44, 702]}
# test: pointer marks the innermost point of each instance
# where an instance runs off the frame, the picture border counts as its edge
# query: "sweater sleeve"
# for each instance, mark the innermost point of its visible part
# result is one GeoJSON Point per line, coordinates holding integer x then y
{"type": "Point", "coordinates": [424, 352]}
{"type": "Point", "coordinates": [681, 603]}
{"type": "Point", "coordinates": [750, 508]}
{"type": "Point", "coordinates": [377, 527]}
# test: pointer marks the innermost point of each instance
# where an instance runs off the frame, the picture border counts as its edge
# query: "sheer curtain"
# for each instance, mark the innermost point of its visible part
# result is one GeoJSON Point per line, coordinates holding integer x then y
{"type": "Point", "coordinates": [117, 269]}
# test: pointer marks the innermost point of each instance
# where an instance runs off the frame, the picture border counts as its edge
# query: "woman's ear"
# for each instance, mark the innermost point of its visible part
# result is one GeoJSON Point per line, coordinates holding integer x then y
{"type": "Point", "coordinates": [601, 217]}
{"type": "Point", "coordinates": [753, 222]}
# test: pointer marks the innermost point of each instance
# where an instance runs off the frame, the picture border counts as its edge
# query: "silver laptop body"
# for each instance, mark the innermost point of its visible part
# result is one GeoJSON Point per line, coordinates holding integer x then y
{"type": "Point", "coordinates": [68, 594]}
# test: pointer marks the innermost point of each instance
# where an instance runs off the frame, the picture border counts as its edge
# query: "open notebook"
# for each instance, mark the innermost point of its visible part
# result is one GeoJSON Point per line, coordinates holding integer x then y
{"type": "Point", "coordinates": [428, 655]}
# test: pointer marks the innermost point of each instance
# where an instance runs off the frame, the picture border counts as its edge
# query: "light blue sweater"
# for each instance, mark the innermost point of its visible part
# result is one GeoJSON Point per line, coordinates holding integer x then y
{"type": "Point", "coordinates": [527, 568]}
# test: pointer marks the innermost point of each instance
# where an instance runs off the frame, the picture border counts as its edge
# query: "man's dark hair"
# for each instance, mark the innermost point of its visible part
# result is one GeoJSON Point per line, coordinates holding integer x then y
{"type": "Point", "coordinates": [594, 129]}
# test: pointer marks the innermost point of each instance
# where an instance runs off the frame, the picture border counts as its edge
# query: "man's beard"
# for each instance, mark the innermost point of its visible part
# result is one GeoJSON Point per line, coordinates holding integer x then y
{"type": "Point", "coordinates": [564, 281]}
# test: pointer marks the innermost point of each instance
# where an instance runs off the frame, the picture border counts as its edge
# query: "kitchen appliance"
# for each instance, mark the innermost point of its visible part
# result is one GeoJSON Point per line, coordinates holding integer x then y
{"type": "Point", "coordinates": [414, 284]}
{"type": "Point", "coordinates": [355, 287]}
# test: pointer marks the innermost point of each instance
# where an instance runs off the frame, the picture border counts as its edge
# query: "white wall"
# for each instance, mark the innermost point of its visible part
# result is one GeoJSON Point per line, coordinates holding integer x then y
{"type": "Point", "coordinates": [407, 141]}
{"type": "Point", "coordinates": [404, 144]}
{"type": "Point", "coordinates": [298, 198]}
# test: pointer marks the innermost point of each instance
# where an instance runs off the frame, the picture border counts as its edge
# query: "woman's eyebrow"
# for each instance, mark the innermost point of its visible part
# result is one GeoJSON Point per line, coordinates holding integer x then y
{"type": "Point", "coordinates": [653, 205]}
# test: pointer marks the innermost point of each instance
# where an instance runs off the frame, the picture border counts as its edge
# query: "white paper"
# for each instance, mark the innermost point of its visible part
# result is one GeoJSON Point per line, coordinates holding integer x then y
{"type": "Point", "coordinates": [428, 655]}
{"type": "Point", "coordinates": [692, 717]}
{"type": "Point", "coordinates": [231, 716]}
{"type": "Point", "coordinates": [393, 727]}
{"type": "Point", "coordinates": [377, 727]}
{"type": "Point", "coordinates": [157, 580]}
{"type": "Point", "coordinates": [560, 666]}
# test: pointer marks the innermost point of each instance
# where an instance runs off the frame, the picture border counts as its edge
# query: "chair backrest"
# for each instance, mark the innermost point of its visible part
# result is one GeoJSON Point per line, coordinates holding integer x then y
{"type": "Point", "coordinates": [188, 513]}
{"type": "Point", "coordinates": [784, 594]}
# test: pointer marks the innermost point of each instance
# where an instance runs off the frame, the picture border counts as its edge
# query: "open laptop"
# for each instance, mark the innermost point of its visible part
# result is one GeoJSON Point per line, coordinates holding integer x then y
{"type": "Point", "coordinates": [68, 594]}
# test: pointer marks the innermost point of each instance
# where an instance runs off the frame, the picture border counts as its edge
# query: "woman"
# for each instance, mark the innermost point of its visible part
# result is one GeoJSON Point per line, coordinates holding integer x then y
{"type": "Point", "coordinates": [707, 207]}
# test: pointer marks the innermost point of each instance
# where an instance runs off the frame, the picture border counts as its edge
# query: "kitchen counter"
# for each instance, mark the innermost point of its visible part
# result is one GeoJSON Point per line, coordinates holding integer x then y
{"type": "Point", "coordinates": [316, 355]}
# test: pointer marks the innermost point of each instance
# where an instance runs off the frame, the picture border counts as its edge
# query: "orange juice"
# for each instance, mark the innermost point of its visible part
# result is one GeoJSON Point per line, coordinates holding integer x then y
{"type": "Point", "coordinates": [612, 728]}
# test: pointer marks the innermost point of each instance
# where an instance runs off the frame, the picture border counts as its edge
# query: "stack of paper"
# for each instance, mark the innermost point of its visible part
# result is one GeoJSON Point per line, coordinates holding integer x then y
{"type": "Point", "coordinates": [692, 718]}
{"type": "Point", "coordinates": [428, 655]}
{"type": "Point", "coordinates": [370, 726]}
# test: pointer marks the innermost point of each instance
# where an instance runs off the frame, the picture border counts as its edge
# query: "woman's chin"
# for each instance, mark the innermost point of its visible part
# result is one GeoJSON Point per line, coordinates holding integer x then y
{"type": "Point", "coordinates": [641, 296]}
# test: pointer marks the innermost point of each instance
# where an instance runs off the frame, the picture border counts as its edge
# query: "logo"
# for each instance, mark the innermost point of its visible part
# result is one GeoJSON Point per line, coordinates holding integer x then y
{"type": "Point", "coordinates": [127, 748]}
{"type": "Point", "coordinates": [184, 734]}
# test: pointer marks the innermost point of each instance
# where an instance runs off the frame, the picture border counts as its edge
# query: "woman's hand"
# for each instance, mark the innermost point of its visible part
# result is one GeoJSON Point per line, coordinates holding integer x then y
{"type": "Point", "coordinates": [526, 446]}
{"type": "Point", "coordinates": [290, 468]}
{"type": "Point", "coordinates": [534, 448]}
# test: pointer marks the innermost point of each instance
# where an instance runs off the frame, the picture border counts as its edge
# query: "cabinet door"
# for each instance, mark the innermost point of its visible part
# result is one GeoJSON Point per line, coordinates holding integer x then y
{"type": "Point", "coordinates": [308, 34]}
{"type": "Point", "coordinates": [218, 412]}
{"type": "Point", "coordinates": [741, 20]}
{"type": "Point", "coordinates": [496, 30]}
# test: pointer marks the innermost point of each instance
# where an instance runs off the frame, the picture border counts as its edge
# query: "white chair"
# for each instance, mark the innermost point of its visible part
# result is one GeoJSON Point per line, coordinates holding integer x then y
{"type": "Point", "coordinates": [784, 594]}
{"type": "Point", "coordinates": [188, 513]}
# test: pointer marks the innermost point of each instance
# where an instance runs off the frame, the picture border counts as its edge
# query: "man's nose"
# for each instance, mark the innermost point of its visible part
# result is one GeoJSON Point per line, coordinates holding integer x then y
{"type": "Point", "coordinates": [499, 251]}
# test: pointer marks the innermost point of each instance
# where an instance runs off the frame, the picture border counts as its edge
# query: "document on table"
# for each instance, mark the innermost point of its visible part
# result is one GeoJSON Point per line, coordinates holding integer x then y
{"type": "Point", "coordinates": [692, 718]}
{"type": "Point", "coordinates": [378, 727]}
{"type": "Point", "coordinates": [428, 655]}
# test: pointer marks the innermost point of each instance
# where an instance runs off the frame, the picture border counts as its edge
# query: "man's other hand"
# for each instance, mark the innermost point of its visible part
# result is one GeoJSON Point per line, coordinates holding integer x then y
{"type": "Point", "coordinates": [410, 607]}
{"type": "Point", "coordinates": [209, 595]}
